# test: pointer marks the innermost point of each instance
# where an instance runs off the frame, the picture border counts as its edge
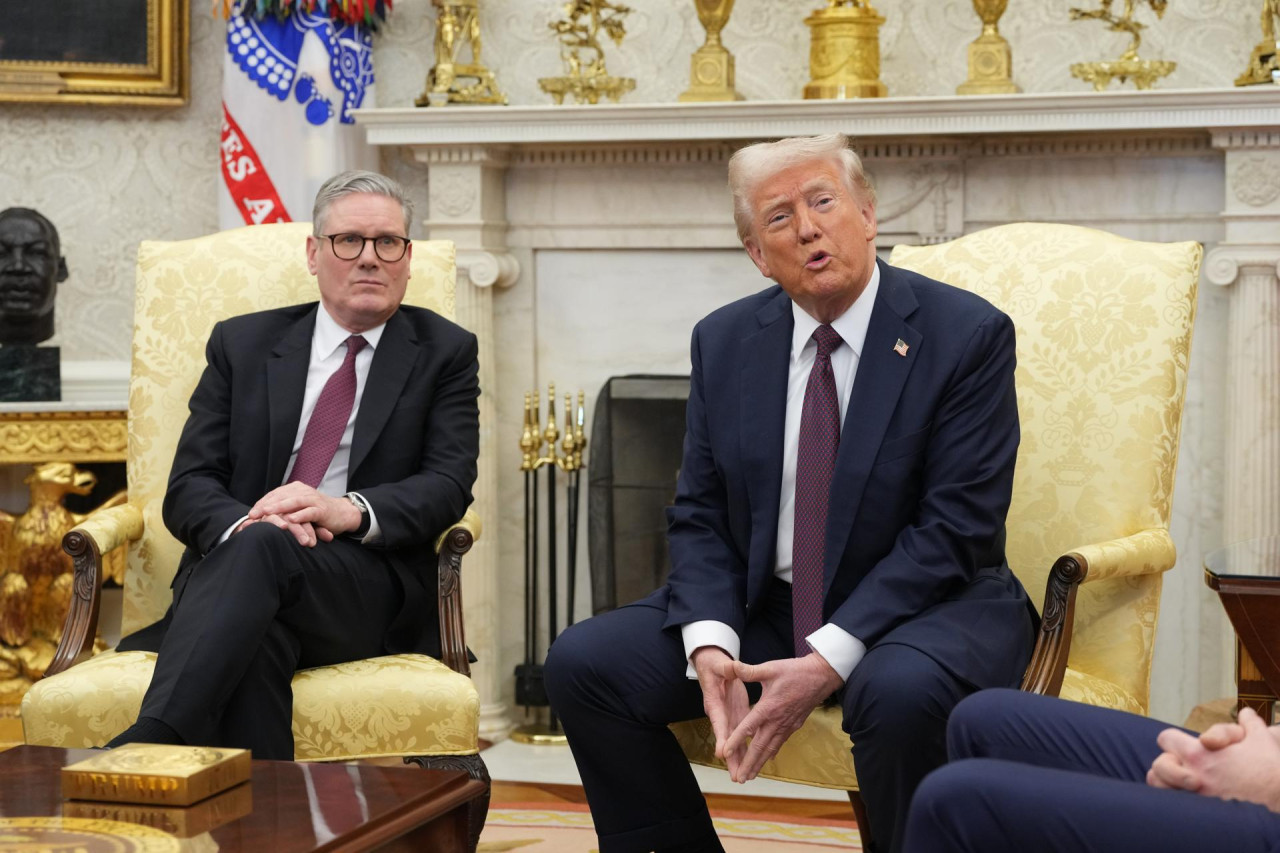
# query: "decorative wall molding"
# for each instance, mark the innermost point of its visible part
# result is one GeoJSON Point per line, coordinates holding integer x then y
{"type": "Point", "coordinates": [1223, 263]}
{"type": "Point", "coordinates": [1256, 180]}
{"type": "Point", "coordinates": [49, 435]}
{"type": "Point", "coordinates": [488, 269]}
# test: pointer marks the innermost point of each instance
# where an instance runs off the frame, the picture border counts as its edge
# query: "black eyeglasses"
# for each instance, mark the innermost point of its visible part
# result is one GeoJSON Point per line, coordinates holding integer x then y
{"type": "Point", "coordinates": [348, 247]}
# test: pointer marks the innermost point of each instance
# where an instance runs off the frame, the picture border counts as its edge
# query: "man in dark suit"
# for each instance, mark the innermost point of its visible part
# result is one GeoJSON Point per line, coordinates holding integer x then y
{"type": "Point", "coordinates": [328, 445]}
{"type": "Point", "coordinates": [838, 525]}
{"type": "Point", "coordinates": [1039, 773]}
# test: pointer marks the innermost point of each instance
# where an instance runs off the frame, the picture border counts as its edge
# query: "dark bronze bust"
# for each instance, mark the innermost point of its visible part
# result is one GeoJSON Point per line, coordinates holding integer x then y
{"type": "Point", "coordinates": [31, 267]}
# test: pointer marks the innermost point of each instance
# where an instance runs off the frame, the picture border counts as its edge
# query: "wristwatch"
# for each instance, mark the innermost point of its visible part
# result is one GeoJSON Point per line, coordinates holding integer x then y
{"type": "Point", "coordinates": [358, 502]}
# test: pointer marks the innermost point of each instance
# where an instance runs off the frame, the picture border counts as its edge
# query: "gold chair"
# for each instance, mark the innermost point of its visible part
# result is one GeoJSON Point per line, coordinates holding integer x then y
{"type": "Point", "coordinates": [406, 705]}
{"type": "Point", "coordinates": [1104, 336]}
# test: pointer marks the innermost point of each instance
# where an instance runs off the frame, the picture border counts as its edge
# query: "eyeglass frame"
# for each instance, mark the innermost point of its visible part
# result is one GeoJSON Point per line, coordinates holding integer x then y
{"type": "Point", "coordinates": [364, 241]}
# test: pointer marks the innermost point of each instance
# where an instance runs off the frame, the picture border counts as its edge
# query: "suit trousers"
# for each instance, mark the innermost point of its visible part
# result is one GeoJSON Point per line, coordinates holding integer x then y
{"type": "Point", "coordinates": [1037, 773]}
{"type": "Point", "coordinates": [245, 618]}
{"type": "Point", "coordinates": [618, 679]}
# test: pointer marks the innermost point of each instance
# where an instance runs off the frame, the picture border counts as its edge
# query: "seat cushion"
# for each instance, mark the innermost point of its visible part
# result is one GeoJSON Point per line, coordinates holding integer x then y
{"type": "Point", "coordinates": [1092, 690]}
{"type": "Point", "coordinates": [387, 706]}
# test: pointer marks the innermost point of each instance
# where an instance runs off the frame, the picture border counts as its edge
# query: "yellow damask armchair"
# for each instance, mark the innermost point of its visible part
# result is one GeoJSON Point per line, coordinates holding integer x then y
{"type": "Point", "coordinates": [401, 705]}
{"type": "Point", "coordinates": [1104, 337]}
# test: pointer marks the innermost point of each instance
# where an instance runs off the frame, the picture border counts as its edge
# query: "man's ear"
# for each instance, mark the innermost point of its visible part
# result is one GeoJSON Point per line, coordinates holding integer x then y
{"type": "Point", "coordinates": [313, 247]}
{"type": "Point", "coordinates": [757, 257]}
{"type": "Point", "coordinates": [870, 226]}
{"type": "Point", "coordinates": [62, 270]}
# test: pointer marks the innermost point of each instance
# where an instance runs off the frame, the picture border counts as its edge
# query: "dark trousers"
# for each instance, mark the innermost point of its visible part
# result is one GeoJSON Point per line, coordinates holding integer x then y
{"type": "Point", "coordinates": [618, 679]}
{"type": "Point", "coordinates": [256, 609]}
{"type": "Point", "coordinates": [1037, 773]}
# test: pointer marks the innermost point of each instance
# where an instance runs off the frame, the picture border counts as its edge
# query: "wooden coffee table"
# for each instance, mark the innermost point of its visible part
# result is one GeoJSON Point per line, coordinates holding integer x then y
{"type": "Point", "coordinates": [295, 808]}
{"type": "Point", "coordinates": [1246, 576]}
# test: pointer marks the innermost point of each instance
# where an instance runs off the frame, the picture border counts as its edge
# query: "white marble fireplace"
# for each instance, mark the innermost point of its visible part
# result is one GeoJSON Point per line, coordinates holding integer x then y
{"type": "Point", "coordinates": [592, 238]}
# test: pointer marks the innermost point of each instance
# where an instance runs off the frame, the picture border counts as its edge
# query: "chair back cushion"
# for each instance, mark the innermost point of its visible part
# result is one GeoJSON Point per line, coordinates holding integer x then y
{"type": "Point", "coordinates": [1104, 335]}
{"type": "Point", "coordinates": [183, 288]}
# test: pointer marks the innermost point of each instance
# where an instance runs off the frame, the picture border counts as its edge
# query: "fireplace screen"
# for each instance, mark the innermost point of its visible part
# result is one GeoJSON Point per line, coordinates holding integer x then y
{"type": "Point", "coordinates": [637, 436]}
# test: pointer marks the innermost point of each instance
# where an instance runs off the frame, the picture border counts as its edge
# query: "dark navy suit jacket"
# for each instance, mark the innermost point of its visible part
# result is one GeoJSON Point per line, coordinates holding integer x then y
{"type": "Point", "coordinates": [915, 533]}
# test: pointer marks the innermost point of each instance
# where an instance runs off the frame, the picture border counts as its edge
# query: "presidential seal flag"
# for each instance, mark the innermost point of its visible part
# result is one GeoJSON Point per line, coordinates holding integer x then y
{"type": "Point", "coordinates": [293, 73]}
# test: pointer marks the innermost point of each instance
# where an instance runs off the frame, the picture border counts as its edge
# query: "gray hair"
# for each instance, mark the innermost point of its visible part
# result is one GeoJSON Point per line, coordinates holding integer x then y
{"type": "Point", "coordinates": [750, 166]}
{"type": "Point", "coordinates": [358, 181]}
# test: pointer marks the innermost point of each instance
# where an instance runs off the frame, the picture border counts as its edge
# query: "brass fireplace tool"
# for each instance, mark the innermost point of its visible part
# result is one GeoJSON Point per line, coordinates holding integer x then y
{"type": "Point", "coordinates": [538, 450]}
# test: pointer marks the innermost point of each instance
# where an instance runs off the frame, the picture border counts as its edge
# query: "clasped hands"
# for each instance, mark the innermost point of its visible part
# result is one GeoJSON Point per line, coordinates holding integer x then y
{"type": "Point", "coordinates": [1231, 761]}
{"type": "Point", "coordinates": [747, 737]}
{"type": "Point", "coordinates": [306, 513]}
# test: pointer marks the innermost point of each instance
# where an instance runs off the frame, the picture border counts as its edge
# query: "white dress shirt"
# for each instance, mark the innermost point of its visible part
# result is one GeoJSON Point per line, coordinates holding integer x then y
{"type": "Point", "coordinates": [837, 646]}
{"type": "Point", "coordinates": [328, 350]}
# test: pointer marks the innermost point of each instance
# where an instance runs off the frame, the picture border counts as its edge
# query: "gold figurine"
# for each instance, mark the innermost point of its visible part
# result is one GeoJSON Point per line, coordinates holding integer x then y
{"type": "Point", "coordinates": [990, 58]}
{"type": "Point", "coordinates": [450, 80]}
{"type": "Point", "coordinates": [583, 57]}
{"type": "Point", "coordinates": [844, 51]}
{"type": "Point", "coordinates": [1144, 72]}
{"type": "Point", "coordinates": [711, 68]}
{"type": "Point", "coordinates": [1264, 64]}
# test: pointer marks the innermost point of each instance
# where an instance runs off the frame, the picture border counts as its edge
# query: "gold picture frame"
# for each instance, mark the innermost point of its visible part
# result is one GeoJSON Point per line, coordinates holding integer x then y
{"type": "Point", "coordinates": [33, 71]}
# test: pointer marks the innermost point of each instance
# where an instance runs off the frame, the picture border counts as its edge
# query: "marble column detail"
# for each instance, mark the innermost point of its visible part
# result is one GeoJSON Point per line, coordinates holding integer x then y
{"type": "Point", "coordinates": [467, 204]}
{"type": "Point", "coordinates": [1246, 261]}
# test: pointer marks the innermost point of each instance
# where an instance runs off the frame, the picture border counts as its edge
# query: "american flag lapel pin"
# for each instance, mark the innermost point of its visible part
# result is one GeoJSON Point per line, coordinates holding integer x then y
{"type": "Point", "coordinates": [901, 347]}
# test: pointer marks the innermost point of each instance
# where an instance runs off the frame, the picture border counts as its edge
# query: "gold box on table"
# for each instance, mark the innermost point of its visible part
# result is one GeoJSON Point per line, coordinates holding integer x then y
{"type": "Point", "coordinates": [154, 774]}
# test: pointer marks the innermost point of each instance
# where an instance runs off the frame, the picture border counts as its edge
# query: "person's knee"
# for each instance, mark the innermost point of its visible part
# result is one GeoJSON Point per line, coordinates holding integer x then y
{"type": "Point", "coordinates": [898, 700]}
{"type": "Point", "coordinates": [976, 716]}
{"type": "Point", "coordinates": [945, 797]}
{"type": "Point", "coordinates": [570, 663]}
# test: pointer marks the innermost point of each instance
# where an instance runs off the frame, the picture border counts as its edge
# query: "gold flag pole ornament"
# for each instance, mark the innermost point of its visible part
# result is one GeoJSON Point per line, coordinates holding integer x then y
{"type": "Point", "coordinates": [451, 81]}
{"type": "Point", "coordinates": [1143, 72]}
{"type": "Point", "coordinates": [711, 68]}
{"type": "Point", "coordinates": [844, 51]}
{"type": "Point", "coordinates": [1264, 64]}
{"type": "Point", "coordinates": [990, 58]}
{"type": "Point", "coordinates": [579, 32]}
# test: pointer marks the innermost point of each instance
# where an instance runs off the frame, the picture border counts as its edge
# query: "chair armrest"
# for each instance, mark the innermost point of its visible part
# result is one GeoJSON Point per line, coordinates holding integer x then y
{"type": "Point", "coordinates": [1145, 552]}
{"type": "Point", "coordinates": [86, 543]}
{"type": "Point", "coordinates": [450, 547]}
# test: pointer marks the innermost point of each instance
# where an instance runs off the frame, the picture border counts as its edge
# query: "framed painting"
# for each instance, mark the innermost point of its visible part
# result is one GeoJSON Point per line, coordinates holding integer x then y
{"type": "Point", "coordinates": [95, 51]}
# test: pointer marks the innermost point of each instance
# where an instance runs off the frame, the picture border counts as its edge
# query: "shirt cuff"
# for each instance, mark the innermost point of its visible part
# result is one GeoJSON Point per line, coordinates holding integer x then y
{"type": "Point", "coordinates": [226, 534]}
{"type": "Point", "coordinates": [708, 632]}
{"type": "Point", "coordinates": [374, 533]}
{"type": "Point", "coordinates": [841, 650]}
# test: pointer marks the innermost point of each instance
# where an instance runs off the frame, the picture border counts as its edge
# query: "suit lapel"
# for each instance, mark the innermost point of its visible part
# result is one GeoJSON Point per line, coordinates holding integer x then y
{"type": "Point", "coordinates": [286, 384]}
{"type": "Point", "coordinates": [765, 358]}
{"type": "Point", "coordinates": [393, 361]}
{"type": "Point", "coordinates": [882, 373]}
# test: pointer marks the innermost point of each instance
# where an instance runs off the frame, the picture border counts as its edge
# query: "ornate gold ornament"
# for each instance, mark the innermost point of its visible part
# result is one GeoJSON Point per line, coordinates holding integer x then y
{"type": "Point", "coordinates": [583, 57]}
{"type": "Point", "coordinates": [990, 58]}
{"type": "Point", "coordinates": [844, 51]}
{"type": "Point", "coordinates": [711, 68]}
{"type": "Point", "coordinates": [36, 576]}
{"type": "Point", "coordinates": [1264, 64]}
{"type": "Point", "coordinates": [451, 81]}
{"type": "Point", "coordinates": [1143, 72]}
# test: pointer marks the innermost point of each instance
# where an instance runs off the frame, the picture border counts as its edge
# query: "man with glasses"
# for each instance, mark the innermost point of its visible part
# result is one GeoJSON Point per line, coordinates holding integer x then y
{"type": "Point", "coordinates": [328, 445]}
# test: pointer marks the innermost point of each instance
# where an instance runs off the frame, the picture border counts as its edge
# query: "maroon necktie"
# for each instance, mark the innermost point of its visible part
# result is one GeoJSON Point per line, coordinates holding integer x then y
{"type": "Point", "coordinates": [328, 420]}
{"type": "Point", "coordinates": [815, 461]}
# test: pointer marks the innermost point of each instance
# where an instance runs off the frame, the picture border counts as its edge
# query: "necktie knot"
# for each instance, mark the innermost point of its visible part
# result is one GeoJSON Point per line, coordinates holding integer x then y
{"type": "Point", "coordinates": [827, 339]}
{"type": "Point", "coordinates": [355, 343]}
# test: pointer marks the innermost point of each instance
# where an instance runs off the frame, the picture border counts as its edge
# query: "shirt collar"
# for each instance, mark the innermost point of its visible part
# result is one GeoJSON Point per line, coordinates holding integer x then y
{"type": "Point", "coordinates": [851, 325]}
{"type": "Point", "coordinates": [328, 335]}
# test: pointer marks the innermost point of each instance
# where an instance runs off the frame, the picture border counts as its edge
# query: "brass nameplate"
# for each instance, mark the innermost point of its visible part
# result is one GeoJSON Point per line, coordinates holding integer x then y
{"type": "Point", "coordinates": [155, 774]}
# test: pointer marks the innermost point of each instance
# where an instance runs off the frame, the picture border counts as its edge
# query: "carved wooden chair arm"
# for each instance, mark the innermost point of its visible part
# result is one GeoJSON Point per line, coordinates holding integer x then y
{"type": "Point", "coordinates": [450, 547]}
{"type": "Point", "coordinates": [1144, 552]}
{"type": "Point", "coordinates": [86, 543]}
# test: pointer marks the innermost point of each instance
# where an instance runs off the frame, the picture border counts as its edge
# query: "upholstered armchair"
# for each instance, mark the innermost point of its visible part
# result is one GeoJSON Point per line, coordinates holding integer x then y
{"type": "Point", "coordinates": [1104, 335]}
{"type": "Point", "coordinates": [408, 705]}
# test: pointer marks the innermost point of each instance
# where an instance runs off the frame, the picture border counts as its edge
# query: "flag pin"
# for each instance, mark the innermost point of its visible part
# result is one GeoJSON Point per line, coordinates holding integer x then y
{"type": "Point", "coordinates": [901, 347]}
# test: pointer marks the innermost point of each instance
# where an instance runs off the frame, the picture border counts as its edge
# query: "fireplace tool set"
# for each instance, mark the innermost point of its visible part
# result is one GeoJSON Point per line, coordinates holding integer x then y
{"type": "Point", "coordinates": [538, 451]}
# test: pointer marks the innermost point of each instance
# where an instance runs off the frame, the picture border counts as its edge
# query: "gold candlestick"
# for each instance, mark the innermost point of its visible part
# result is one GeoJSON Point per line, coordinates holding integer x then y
{"type": "Point", "coordinates": [711, 73]}
{"type": "Point", "coordinates": [844, 51]}
{"type": "Point", "coordinates": [990, 58]}
{"type": "Point", "coordinates": [1264, 63]}
{"type": "Point", "coordinates": [579, 33]}
{"type": "Point", "coordinates": [1143, 72]}
{"type": "Point", "coordinates": [450, 80]}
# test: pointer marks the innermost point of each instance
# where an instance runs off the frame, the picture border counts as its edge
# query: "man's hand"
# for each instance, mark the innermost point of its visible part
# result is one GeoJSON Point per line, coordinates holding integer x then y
{"type": "Point", "coordinates": [300, 504]}
{"type": "Point", "coordinates": [1231, 762]}
{"type": "Point", "coordinates": [303, 532]}
{"type": "Point", "coordinates": [724, 698]}
{"type": "Point", "coordinates": [792, 688]}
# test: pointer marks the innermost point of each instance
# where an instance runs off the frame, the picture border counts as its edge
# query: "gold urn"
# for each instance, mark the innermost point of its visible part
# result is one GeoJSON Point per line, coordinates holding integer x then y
{"type": "Point", "coordinates": [990, 58]}
{"type": "Point", "coordinates": [711, 70]}
{"type": "Point", "coordinates": [844, 51]}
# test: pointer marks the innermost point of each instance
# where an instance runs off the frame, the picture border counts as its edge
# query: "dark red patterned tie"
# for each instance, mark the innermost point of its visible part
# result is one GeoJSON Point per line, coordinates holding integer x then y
{"type": "Point", "coordinates": [328, 420]}
{"type": "Point", "coordinates": [815, 461]}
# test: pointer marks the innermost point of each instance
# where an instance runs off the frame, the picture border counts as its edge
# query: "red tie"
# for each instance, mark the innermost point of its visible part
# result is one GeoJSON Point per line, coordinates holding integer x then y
{"type": "Point", "coordinates": [328, 420]}
{"type": "Point", "coordinates": [815, 461]}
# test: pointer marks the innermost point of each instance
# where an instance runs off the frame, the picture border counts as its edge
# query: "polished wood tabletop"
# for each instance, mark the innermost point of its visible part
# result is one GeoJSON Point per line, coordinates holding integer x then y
{"type": "Point", "coordinates": [291, 807]}
{"type": "Point", "coordinates": [1246, 576]}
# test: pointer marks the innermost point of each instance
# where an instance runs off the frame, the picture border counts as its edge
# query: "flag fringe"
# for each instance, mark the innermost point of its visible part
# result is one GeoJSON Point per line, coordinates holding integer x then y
{"type": "Point", "coordinates": [367, 12]}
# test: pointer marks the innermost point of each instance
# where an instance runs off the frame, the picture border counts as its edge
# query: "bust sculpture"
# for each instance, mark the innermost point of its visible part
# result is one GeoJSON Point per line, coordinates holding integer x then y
{"type": "Point", "coordinates": [31, 267]}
